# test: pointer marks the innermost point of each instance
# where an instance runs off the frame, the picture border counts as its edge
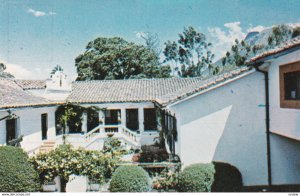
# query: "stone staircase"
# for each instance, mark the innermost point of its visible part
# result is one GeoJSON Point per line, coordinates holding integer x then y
{"type": "Point", "coordinates": [47, 147]}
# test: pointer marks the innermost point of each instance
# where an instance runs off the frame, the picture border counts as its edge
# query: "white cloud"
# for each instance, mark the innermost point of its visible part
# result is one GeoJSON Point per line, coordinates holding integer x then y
{"type": "Point", "coordinates": [18, 71]}
{"type": "Point", "coordinates": [222, 40]}
{"type": "Point", "coordinates": [37, 13]}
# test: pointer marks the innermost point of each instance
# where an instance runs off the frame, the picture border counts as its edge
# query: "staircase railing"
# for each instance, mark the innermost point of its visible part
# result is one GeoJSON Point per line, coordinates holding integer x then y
{"type": "Point", "coordinates": [89, 134]}
{"type": "Point", "coordinates": [132, 134]}
{"type": "Point", "coordinates": [113, 129]}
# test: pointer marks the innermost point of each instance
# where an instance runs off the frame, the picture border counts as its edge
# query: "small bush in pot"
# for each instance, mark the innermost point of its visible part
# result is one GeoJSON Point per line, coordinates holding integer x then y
{"type": "Point", "coordinates": [16, 172]}
{"type": "Point", "coordinates": [196, 178]}
{"type": "Point", "coordinates": [130, 179]}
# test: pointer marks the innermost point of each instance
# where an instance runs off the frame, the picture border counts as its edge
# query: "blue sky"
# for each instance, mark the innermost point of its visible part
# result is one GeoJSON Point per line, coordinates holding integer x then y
{"type": "Point", "coordinates": [36, 35]}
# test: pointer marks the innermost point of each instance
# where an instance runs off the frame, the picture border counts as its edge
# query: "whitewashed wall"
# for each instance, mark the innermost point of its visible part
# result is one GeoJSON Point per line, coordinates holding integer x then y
{"type": "Point", "coordinates": [226, 124]}
{"type": "Point", "coordinates": [283, 120]}
{"type": "Point", "coordinates": [30, 125]}
{"type": "Point", "coordinates": [286, 122]}
{"type": "Point", "coordinates": [285, 160]}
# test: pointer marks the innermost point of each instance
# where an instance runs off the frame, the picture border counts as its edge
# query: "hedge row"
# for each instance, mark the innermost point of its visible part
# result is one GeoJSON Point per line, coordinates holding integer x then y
{"type": "Point", "coordinates": [16, 173]}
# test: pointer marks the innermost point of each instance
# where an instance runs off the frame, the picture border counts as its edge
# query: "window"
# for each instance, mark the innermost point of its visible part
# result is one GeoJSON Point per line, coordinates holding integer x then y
{"type": "Point", "coordinates": [44, 123]}
{"type": "Point", "coordinates": [290, 85]}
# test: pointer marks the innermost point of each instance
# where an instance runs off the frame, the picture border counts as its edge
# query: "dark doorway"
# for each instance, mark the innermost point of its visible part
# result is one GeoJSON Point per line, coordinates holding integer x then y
{"type": "Point", "coordinates": [92, 119]}
{"type": "Point", "coordinates": [11, 129]}
{"type": "Point", "coordinates": [111, 117]}
{"type": "Point", "coordinates": [150, 122]}
{"type": "Point", "coordinates": [132, 119]}
{"type": "Point", "coordinates": [44, 126]}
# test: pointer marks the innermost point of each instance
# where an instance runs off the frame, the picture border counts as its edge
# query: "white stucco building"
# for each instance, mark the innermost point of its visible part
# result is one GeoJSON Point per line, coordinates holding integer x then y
{"type": "Point", "coordinates": [248, 117]}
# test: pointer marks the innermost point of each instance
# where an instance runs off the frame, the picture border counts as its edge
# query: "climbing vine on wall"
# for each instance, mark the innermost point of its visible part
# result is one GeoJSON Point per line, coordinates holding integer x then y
{"type": "Point", "coordinates": [70, 116]}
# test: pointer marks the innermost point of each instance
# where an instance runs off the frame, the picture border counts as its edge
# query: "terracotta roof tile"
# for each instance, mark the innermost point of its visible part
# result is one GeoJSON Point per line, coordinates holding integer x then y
{"type": "Point", "coordinates": [162, 91]}
{"type": "Point", "coordinates": [12, 95]}
{"type": "Point", "coordinates": [31, 84]}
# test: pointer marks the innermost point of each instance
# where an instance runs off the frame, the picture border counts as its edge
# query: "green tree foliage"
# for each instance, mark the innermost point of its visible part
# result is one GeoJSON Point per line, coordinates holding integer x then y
{"type": "Point", "coordinates": [4, 74]}
{"type": "Point", "coordinates": [152, 42]}
{"type": "Point", "coordinates": [130, 179]}
{"type": "Point", "coordinates": [65, 161]}
{"type": "Point", "coordinates": [71, 115]}
{"type": "Point", "coordinates": [280, 34]}
{"type": "Point", "coordinates": [115, 58]}
{"type": "Point", "coordinates": [239, 53]}
{"type": "Point", "coordinates": [55, 69]}
{"type": "Point", "coordinates": [190, 55]}
{"type": "Point", "coordinates": [296, 32]}
{"type": "Point", "coordinates": [16, 173]}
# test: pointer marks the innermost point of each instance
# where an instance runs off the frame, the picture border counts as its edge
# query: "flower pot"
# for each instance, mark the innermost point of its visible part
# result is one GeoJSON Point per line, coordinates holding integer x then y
{"type": "Point", "coordinates": [94, 187]}
{"type": "Point", "coordinates": [49, 187]}
{"type": "Point", "coordinates": [110, 134]}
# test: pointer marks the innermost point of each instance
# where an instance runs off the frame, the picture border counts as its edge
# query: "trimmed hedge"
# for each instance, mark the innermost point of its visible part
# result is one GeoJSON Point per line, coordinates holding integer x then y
{"type": "Point", "coordinates": [130, 179]}
{"type": "Point", "coordinates": [16, 173]}
{"type": "Point", "coordinates": [196, 178]}
{"type": "Point", "coordinates": [227, 178]}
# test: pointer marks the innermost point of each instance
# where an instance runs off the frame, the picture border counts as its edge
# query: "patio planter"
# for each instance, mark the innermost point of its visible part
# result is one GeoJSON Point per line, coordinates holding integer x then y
{"type": "Point", "coordinates": [50, 187]}
{"type": "Point", "coordinates": [94, 187]}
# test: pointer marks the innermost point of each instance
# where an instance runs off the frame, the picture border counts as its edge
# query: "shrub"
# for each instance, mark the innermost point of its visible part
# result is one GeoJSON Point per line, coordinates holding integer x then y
{"type": "Point", "coordinates": [227, 178]}
{"type": "Point", "coordinates": [16, 173]}
{"type": "Point", "coordinates": [153, 154]}
{"type": "Point", "coordinates": [130, 179]}
{"type": "Point", "coordinates": [167, 180]}
{"type": "Point", "coordinates": [196, 178]}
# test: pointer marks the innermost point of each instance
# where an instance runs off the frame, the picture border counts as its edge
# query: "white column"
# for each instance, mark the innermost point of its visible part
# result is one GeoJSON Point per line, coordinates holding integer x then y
{"type": "Point", "coordinates": [101, 117]}
{"type": "Point", "coordinates": [141, 119]}
{"type": "Point", "coordinates": [84, 123]}
{"type": "Point", "coordinates": [123, 117]}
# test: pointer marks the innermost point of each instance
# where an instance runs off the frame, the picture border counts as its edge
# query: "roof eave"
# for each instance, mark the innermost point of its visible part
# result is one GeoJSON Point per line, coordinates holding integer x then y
{"type": "Point", "coordinates": [273, 56]}
{"type": "Point", "coordinates": [187, 97]}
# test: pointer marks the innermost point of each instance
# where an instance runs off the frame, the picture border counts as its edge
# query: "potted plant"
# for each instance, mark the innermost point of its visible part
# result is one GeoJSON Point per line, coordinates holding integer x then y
{"type": "Point", "coordinates": [49, 187]}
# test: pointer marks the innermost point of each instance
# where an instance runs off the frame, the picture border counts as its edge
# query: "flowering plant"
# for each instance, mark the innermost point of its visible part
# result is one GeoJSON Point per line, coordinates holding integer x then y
{"type": "Point", "coordinates": [65, 160]}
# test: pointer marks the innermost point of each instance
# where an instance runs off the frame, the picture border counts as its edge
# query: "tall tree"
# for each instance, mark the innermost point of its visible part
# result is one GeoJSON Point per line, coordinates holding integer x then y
{"type": "Point", "coordinates": [115, 58]}
{"type": "Point", "coordinates": [55, 69]}
{"type": "Point", "coordinates": [190, 55]}
{"type": "Point", "coordinates": [152, 42]}
{"type": "Point", "coordinates": [280, 34]}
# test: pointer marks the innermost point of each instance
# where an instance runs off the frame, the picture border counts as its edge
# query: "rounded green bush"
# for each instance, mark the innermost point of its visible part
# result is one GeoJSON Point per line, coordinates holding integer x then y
{"type": "Point", "coordinates": [196, 178]}
{"type": "Point", "coordinates": [130, 179]}
{"type": "Point", "coordinates": [227, 178]}
{"type": "Point", "coordinates": [16, 173]}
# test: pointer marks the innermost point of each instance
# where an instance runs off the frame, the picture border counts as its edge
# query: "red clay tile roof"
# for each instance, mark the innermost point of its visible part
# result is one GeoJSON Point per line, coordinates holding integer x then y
{"type": "Point", "coordinates": [162, 91]}
{"type": "Point", "coordinates": [13, 96]}
{"type": "Point", "coordinates": [31, 84]}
